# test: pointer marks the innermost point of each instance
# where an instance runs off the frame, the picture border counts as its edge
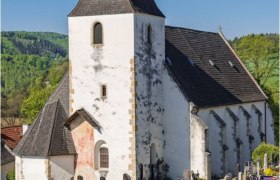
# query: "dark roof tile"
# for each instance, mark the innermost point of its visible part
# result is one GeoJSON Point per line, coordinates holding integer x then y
{"type": "Point", "coordinates": [86, 116]}
{"type": "Point", "coordinates": [6, 155]}
{"type": "Point", "coordinates": [104, 7]}
{"type": "Point", "coordinates": [202, 83]}
{"type": "Point", "coordinates": [47, 136]}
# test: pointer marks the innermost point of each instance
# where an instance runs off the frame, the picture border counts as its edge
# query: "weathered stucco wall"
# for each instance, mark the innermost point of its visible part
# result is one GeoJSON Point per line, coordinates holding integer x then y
{"type": "Point", "coordinates": [83, 137]}
{"type": "Point", "coordinates": [6, 168]}
{"type": "Point", "coordinates": [176, 128]}
{"type": "Point", "coordinates": [246, 129]}
{"type": "Point", "coordinates": [109, 64]}
{"type": "Point", "coordinates": [29, 167]}
{"type": "Point", "coordinates": [149, 59]}
{"type": "Point", "coordinates": [198, 152]}
{"type": "Point", "coordinates": [62, 167]}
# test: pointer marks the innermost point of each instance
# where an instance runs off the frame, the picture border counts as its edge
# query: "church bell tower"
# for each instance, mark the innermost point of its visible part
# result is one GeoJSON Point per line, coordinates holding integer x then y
{"type": "Point", "coordinates": [116, 50]}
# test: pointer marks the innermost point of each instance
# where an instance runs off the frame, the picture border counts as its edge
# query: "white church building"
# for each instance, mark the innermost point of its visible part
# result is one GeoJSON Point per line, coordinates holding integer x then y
{"type": "Point", "coordinates": [144, 101]}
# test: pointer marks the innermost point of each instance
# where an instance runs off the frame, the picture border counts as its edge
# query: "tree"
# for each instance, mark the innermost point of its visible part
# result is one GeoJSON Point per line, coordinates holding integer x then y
{"type": "Point", "coordinates": [269, 149]}
{"type": "Point", "coordinates": [41, 90]}
{"type": "Point", "coordinates": [260, 53]}
{"type": "Point", "coordinates": [26, 56]}
{"type": "Point", "coordinates": [32, 105]}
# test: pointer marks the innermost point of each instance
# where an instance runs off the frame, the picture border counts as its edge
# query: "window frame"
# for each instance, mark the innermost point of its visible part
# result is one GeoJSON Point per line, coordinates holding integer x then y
{"type": "Point", "coordinates": [102, 156]}
{"type": "Point", "coordinates": [103, 91]}
{"type": "Point", "coordinates": [149, 35]}
{"type": "Point", "coordinates": [93, 34]}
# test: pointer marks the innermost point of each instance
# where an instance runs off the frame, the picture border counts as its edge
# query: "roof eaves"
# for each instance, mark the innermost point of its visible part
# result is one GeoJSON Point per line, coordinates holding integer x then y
{"type": "Point", "coordinates": [230, 104]}
{"type": "Point", "coordinates": [76, 7]}
{"type": "Point", "coordinates": [92, 120]}
{"type": "Point", "coordinates": [18, 148]}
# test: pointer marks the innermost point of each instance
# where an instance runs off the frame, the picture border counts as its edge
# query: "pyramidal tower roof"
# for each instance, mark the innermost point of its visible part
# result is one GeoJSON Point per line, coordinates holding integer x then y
{"type": "Point", "coordinates": [106, 7]}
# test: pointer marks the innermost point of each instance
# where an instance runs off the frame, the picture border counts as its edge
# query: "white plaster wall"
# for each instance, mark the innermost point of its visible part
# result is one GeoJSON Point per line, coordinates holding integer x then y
{"type": "Point", "coordinates": [231, 155]}
{"type": "Point", "coordinates": [110, 65]}
{"type": "Point", "coordinates": [198, 157]}
{"type": "Point", "coordinates": [18, 167]}
{"type": "Point", "coordinates": [6, 168]}
{"type": "Point", "coordinates": [243, 134]}
{"type": "Point", "coordinates": [269, 126]}
{"type": "Point", "coordinates": [231, 143]}
{"type": "Point", "coordinates": [149, 91]}
{"type": "Point", "coordinates": [215, 148]}
{"type": "Point", "coordinates": [255, 126]}
{"type": "Point", "coordinates": [32, 167]}
{"type": "Point", "coordinates": [62, 167]}
{"type": "Point", "coordinates": [176, 128]}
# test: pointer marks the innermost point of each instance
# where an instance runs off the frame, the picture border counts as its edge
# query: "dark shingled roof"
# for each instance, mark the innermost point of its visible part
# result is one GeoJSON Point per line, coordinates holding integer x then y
{"type": "Point", "coordinates": [104, 7]}
{"type": "Point", "coordinates": [6, 155]}
{"type": "Point", "coordinates": [62, 93]}
{"type": "Point", "coordinates": [48, 136]}
{"type": "Point", "coordinates": [187, 58]}
{"type": "Point", "coordinates": [86, 116]}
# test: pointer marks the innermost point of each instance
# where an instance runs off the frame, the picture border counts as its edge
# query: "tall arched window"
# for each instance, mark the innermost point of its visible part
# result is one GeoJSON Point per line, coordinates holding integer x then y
{"type": "Point", "coordinates": [97, 34]}
{"type": "Point", "coordinates": [149, 35]}
{"type": "Point", "coordinates": [104, 157]}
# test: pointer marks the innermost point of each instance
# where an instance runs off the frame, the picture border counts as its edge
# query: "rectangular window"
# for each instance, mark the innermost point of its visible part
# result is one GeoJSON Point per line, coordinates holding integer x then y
{"type": "Point", "coordinates": [103, 91]}
{"type": "Point", "coordinates": [104, 158]}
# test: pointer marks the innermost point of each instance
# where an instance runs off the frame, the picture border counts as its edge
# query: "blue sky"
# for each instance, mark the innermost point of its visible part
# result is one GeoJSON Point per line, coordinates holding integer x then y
{"type": "Point", "coordinates": [237, 17]}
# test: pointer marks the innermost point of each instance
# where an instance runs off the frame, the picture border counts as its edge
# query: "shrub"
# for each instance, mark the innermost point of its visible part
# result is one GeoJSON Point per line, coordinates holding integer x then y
{"type": "Point", "coordinates": [270, 172]}
{"type": "Point", "coordinates": [269, 149]}
{"type": "Point", "coordinates": [11, 175]}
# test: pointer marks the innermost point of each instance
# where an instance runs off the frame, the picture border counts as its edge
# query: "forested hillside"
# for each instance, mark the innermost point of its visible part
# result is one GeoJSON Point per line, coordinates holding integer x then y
{"type": "Point", "coordinates": [31, 65]}
{"type": "Point", "coordinates": [260, 54]}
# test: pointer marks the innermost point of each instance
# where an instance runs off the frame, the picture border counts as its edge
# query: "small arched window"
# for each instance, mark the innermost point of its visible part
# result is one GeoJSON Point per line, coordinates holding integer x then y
{"type": "Point", "coordinates": [80, 178]}
{"type": "Point", "coordinates": [97, 34]}
{"type": "Point", "coordinates": [149, 35]}
{"type": "Point", "coordinates": [104, 157]}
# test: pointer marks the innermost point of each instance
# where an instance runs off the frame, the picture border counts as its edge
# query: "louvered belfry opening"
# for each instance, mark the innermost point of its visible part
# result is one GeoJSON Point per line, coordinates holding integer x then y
{"type": "Point", "coordinates": [104, 158]}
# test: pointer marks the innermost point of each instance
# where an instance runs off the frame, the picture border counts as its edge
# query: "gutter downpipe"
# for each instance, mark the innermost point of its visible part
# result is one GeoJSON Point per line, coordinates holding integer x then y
{"type": "Point", "coordinates": [265, 103]}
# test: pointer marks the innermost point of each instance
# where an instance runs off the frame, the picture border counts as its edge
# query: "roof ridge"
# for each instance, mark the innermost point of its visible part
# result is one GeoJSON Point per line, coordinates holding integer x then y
{"type": "Point", "coordinates": [76, 7]}
{"type": "Point", "coordinates": [53, 125]}
{"type": "Point", "coordinates": [132, 6]}
{"type": "Point", "coordinates": [58, 87]}
{"type": "Point", "coordinates": [184, 28]}
{"type": "Point", "coordinates": [246, 70]}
